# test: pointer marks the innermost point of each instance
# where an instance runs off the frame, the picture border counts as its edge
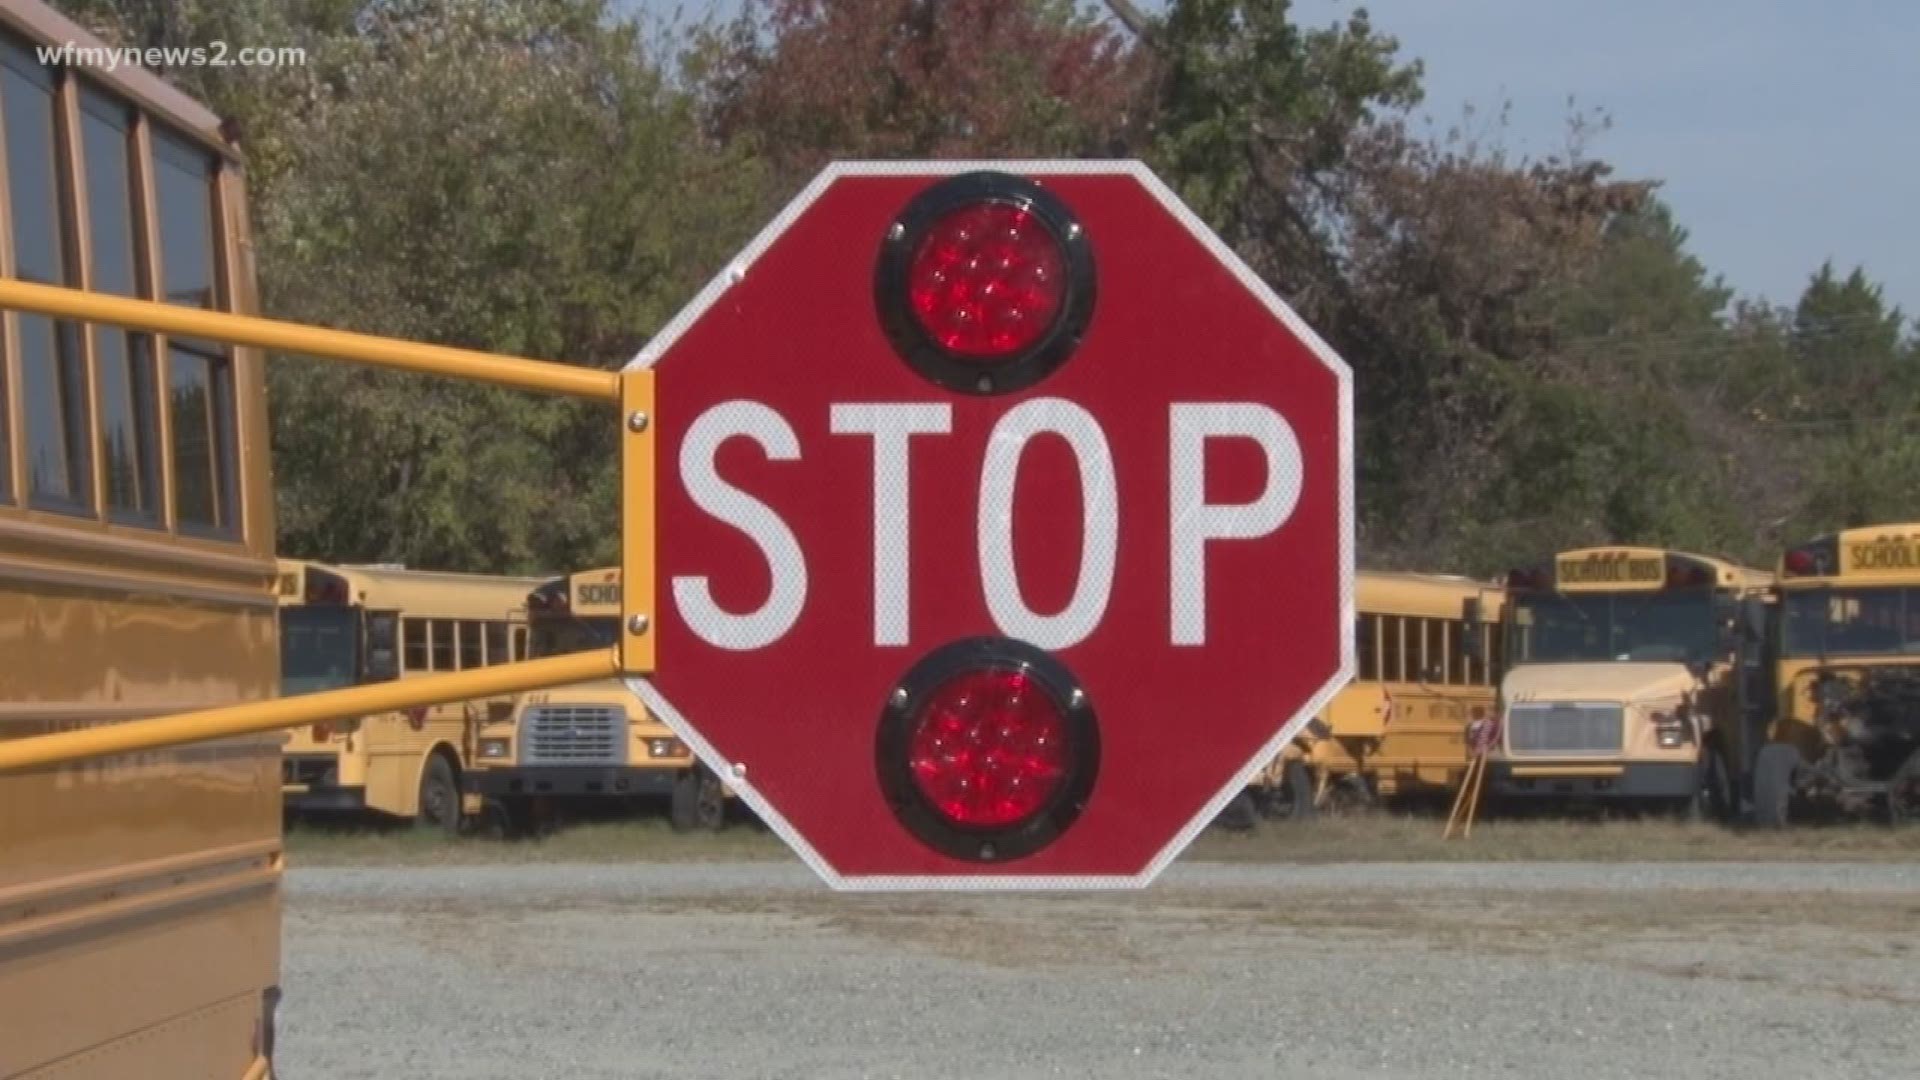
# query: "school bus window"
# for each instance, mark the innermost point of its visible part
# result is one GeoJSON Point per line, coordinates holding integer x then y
{"type": "Point", "coordinates": [415, 633]}
{"type": "Point", "coordinates": [1390, 648]}
{"type": "Point", "coordinates": [497, 643]}
{"type": "Point", "coordinates": [443, 652]}
{"type": "Point", "coordinates": [519, 643]}
{"type": "Point", "coordinates": [1434, 656]}
{"type": "Point", "coordinates": [53, 376]}
{"type": "Point", "coordinates": [123, 359]}
{"type": "Point", "coordinates": [199, 375]}
{"type": "Point", "coordinates": [1456, 654]}
{"type": "Point", "coordinates": [1366, 645]}
{"type": "Point", "coordinates": [471, 650]}
{"type": "Point", "coordinates": [183, 192]}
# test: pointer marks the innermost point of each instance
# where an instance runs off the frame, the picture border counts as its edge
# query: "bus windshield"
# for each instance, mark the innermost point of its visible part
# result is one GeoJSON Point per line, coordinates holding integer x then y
{"type": "Point", "coordinates": [1853, 622]}
{"type": "Point", "coordinates": [1561, 627]}
{"type": "Point", "coordinates": [318, 648]}
{"type": "Point", "coordinates": [556, 637]}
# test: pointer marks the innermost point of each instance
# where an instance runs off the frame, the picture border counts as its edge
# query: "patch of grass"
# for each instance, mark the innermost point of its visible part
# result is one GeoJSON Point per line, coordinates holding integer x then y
{"type": "Point", "coordinates": [1390, 837]}
{"type": "Point", "coordinates": [1378, 836]}
{"type": "Point", "coordinates": [635, 840]}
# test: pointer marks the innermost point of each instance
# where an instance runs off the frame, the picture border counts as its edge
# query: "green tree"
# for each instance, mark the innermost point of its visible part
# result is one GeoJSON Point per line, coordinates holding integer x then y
{"type": "Point", "coordinates": [1858, 404]}
{"type": "Point", "coordinates": [516, 177]}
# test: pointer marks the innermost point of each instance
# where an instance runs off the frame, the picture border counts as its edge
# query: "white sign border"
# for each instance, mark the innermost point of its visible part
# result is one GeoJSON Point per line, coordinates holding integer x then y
{"type": "Point", "coordinates": [742, 783]}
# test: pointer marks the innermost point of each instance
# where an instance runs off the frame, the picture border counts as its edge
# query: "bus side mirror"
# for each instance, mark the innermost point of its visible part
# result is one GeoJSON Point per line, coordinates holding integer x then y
{"type": "Point", "coordinates": [1474, 646]}
{"type": "Point", "coordinates": [381, 650]}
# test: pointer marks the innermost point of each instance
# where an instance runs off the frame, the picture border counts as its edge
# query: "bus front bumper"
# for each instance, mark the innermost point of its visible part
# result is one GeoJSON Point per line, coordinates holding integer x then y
{"type": "Point", "coordinates": [563, 780]}
{"type": "Point", "coordinates": [311, 783]}
{"type": "Point", "coordinates": [1594, 780]}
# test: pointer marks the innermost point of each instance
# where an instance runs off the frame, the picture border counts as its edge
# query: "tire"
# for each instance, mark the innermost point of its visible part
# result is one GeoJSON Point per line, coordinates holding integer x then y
{"type": "Point", "coordinates": [440, 797]}
{"type": "Point", "coordinates": [1292, 800]}
{"type": "Point", "coordinates": [1241, 814]}
{"type": "Point", "coordinates": [1713, 798]}
{"type": "Point", "coordinates": [1774, 774]}
{"type": "Point", "coordinates": [1903, 792]}
{"type": "Point", "coordinates": [699, 801]}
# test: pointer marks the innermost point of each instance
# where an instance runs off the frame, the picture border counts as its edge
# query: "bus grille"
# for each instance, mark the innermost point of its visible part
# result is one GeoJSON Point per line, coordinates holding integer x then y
{"type": "Point", "coordinates": [1565, 729]}
{"type": "Point", "coordinates": [574, 735]}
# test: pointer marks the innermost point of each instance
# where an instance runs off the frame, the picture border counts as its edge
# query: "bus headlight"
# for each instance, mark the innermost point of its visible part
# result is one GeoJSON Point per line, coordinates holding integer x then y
{"type": "Point", "coordinates": [1671, 730]}
{"type": "Point", "coordinates": [495, 749]}
{"type": "Point", "coordinates": [666, 748]}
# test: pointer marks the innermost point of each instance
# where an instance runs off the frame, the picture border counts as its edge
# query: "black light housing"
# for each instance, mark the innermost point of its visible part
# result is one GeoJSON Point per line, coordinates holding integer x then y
{"type": "Point", "coordinates": [988, 749]}
{"type": "Point", "coordinates": [985, 283]}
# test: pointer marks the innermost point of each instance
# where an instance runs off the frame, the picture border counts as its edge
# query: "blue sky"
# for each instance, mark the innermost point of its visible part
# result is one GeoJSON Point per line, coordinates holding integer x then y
{"type": "Point", "coordinates": [1786, 132]}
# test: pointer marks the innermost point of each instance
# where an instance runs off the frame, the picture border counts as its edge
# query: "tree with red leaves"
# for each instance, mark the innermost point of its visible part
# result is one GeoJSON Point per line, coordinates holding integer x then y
{"type": "Point", "coordinates": [808, 81]}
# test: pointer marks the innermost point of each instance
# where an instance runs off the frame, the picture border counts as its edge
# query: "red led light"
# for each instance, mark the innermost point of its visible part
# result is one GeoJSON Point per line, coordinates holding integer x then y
{"type": "Point", "coordinates": [1800, 562]}
{"type": "Point", "coordinates": [987, 280]}
{"type": "Point", "coordinates": [989, 748]}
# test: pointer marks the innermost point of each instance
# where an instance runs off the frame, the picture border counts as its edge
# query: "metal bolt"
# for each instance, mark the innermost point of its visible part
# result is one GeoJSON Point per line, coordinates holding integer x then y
{"type": "Point", "coordinates": [1073, 230]}
{"type": "Point", "coordinates": [737, 272]}
{"type": "Point", "coordinates": [900, 697]}
{"type": "Point", "coordinates": [1078, 698]}
{"type": "Point", "coordinates": [638, 624]}
{"type": "Point", "coordinates": [896, 231]}
{"type": "Point", "coordinates": [637, 422]}
{"type": "Point", "coordinates": [739, 770]}
{"type": "Point", "coordinates": [984, 383]}
{"type": "Point", "coordinates": [987, 851]}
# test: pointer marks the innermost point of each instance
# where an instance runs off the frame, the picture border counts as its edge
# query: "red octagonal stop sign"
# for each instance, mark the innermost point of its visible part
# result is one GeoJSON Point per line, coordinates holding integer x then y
{"type": "Point", "coordinates": [1005, 526]}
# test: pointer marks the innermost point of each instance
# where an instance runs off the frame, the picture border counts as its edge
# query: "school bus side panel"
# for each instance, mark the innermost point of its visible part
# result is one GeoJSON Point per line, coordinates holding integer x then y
{"type": "Point", "coordinates": [136, 883]}
{"type": "Point", "coordinates": [139, 894]}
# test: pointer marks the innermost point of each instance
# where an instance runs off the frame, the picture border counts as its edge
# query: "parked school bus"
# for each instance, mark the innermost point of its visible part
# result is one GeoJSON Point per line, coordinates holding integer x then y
{"type": "Point", "coordinates": [1428, 652]}
{"type": "Point", "coordinates": [346, 626]}
{"type": "Point", "coordinates": [593, 740]}
{"type": "Point", "coordinates": [139, 892]}
{"type": "Point", "coordinates": [1635, 675]}
{"type": "Point", "coordinates": [1846, 730]}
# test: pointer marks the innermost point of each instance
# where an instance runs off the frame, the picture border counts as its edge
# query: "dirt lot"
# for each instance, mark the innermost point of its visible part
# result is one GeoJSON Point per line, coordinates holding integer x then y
{"type": "Point", "coordinates": [749, 969]}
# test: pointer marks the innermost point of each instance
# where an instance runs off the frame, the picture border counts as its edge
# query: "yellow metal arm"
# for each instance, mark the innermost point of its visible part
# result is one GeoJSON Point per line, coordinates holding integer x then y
{"type": "Point", "coordinates": [631, 391]}
{"type": "Point", "coordinates": [539, 375]}
{"type": "Point", "coordinates": [250, 717]}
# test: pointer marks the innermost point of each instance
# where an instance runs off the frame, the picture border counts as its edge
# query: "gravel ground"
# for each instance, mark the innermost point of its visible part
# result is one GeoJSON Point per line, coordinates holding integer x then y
{"type": "Point", "coordinates": [1396, 970]}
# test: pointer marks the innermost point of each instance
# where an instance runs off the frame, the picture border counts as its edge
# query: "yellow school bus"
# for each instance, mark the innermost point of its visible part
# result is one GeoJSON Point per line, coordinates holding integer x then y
{"type": "Point", "coordinates": [592, 740]}
{"type": "Point", "coordinates": [1635, 676]}
{"type": "Point", "coordinates": [1846, 679]}
{"type": "Point", "coordinates": [1428, 656]}
{"type": "Point", "coordinates": [346, 626]}
{"type": "Point", "coordinates": [139, 892]}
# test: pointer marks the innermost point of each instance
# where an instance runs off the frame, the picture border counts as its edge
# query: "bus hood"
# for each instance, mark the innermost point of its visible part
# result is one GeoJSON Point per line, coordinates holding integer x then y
{"type": "Point", "coordinates": [1628, 683]}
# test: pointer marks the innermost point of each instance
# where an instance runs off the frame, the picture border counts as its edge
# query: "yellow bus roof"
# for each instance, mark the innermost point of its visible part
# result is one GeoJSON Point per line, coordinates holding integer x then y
{"type": "Point", "coordinates": [431, 593]}
{"type": "Point", "coordinates": [1882, 553]}
{"type": "Point", "coordinates": [1438, 595]}
{"type": "Point", "coordinates": [1726, 573]}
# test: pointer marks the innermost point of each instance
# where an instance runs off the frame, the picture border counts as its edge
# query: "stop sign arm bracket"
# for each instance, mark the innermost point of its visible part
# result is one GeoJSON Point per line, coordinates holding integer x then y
{"type": "Point", "coordinates": [637, 506]}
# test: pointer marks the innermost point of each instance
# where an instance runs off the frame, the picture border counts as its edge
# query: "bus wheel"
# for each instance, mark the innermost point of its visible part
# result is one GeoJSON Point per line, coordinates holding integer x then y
{"type": "Point", "coordinates": [1241, 814]}
{"type": "Point", "coordinates": [1774, 773]}
{"type": "Point", "coordinates": [1713, 801]}
{"type": "Point", "coordinates": [440, 796]}
{"type": "Point", "coordinates": [1293, 798]}
{"type": "Point", "coordinates": [699, 801]}
{"type": "Point", "coordinates": [1903, 792]}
